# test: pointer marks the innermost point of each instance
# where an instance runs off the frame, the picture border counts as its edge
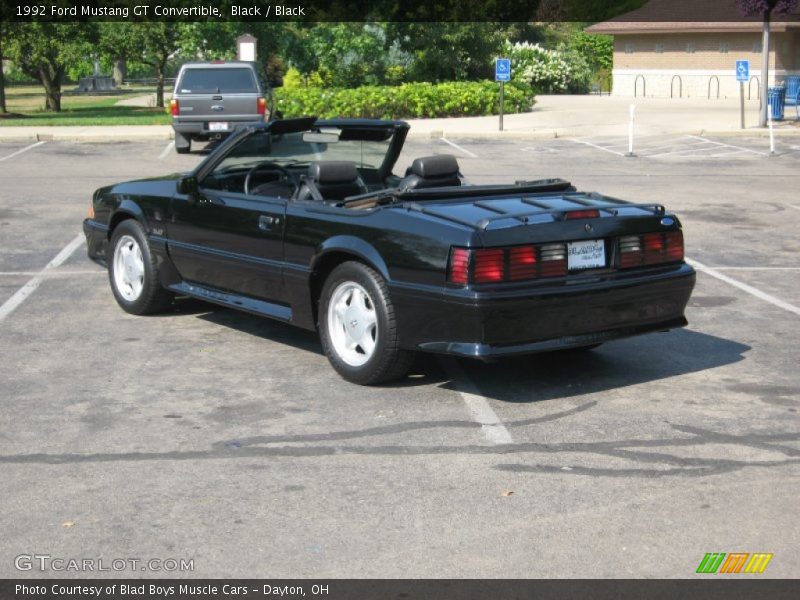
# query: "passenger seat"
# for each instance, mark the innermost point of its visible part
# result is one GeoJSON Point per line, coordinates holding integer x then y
{"type": "Point", "coordinates": [331, 180]}
{"type": "Point", "coordinates": [431, 172]}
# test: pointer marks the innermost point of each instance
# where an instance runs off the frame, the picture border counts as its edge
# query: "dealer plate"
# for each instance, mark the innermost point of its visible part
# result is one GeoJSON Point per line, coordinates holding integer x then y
{"type": "Point", "coordinates": [586, 254]}
{"type": "Point", "coordinates": [218, 126]}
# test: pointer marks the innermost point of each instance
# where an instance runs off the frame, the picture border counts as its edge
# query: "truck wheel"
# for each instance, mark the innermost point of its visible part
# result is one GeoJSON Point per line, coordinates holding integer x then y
{"type": "Point", "coordinates": [358, 327]}
{"type": "Point", "coordinates": [182, 143]}
{"type": "Point", "coordinates": [133, 272]}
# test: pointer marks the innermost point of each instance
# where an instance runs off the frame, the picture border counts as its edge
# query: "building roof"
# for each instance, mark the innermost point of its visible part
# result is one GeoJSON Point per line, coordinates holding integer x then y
{"type": "Point", "coordinates": [699, 16]}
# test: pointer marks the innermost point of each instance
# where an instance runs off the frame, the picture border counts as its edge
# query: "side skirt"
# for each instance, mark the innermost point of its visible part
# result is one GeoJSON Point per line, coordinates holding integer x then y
{"type": "Point", "coordinates": [251, 305]}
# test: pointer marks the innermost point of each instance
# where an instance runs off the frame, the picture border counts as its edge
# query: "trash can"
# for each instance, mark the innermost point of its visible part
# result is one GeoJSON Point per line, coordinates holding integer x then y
{"type": "Point", "coordinates": [776, 97]}
{"type": "Point", "coordinates": [792, 90]}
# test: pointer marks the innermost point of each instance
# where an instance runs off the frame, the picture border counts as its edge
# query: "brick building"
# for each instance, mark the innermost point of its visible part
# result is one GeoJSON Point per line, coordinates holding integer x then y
{"type": "Point", "coordinates": [658, 52]}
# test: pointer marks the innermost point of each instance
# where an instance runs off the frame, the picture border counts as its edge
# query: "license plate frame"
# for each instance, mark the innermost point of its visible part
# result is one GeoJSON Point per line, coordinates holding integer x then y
{"type": "Point", "coordinates": [217, 126]}
{"type": "Point", "coordinates": [586, 254]}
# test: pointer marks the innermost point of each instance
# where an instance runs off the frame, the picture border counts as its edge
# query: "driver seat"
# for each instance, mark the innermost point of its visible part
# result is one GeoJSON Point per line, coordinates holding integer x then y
{"type": "Point", "coordinates": [331, 180]}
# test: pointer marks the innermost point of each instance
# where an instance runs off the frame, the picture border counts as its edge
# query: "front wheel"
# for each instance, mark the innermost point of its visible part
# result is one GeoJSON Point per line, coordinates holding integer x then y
{"type": "Point", "coordinates": [133, 271]}
{"type": "Point", "coordinates": [358, 327]}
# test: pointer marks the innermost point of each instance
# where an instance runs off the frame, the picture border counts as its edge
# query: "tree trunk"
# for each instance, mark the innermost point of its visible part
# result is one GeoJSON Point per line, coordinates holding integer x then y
{"type": "Point", "coordinates": [51, 80]}
{"type": "Point", "coordinates": [762, 119]}
{"type": "Point", "coordinates": [160, 88]}
{"type": "Point", "coordinates": [3, 108]}
{"type": "Point", "coordinates": [120, 71]}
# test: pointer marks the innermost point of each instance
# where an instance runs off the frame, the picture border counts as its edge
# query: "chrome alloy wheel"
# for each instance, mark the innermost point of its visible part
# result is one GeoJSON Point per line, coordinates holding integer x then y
{"type": "Point", "coordinates": [352, 323]}
{"type": "Point", "coordinates": [128, 268]}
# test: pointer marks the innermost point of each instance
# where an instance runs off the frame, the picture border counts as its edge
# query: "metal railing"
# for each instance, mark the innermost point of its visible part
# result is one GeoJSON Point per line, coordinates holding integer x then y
{"type": "Point", "coordinates": [636, 86]}
{"type": "Point", "coordinates": [672, 87]}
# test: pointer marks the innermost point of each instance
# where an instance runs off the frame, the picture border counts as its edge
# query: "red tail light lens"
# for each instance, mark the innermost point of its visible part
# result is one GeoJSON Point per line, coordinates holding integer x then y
{"type": "Point", "coordinates": [674, 241]}
{"type": "Point", "coordinates": [174, 108]}
{"type": "Point", "coordinates": [582, 214]}
{"type": "Point", "coordinates": [489, 265]}
{"type": "Point", "coordinates": [459, 266]}
{"type": "Point", "coordinates": [522, 263]}
{"type": "Point", "coordinates": [262, 106]}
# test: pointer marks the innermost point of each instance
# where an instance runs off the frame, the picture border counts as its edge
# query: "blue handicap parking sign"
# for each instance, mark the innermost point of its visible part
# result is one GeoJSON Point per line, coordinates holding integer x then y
{"type": "Point", "coordinates": [742, 70]}
{"type": "Point", "coordinates": [502, 69]}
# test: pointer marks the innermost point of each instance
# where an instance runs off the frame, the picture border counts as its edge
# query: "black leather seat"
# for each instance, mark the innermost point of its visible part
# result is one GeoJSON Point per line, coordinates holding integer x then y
{"type": "Point", "coordinates": [331, 180]}
{"type": "Point", "coordinates": [430, 172]}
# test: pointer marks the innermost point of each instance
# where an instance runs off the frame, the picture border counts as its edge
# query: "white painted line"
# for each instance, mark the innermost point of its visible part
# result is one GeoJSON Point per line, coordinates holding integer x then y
{"type": "Point", "coordinates": [25, 149]}
{"type": "Point", "coordinates": [757, 268]}
{"type": "Point", "coordinates": [166, 151]}
{"type": "Point", "coordinates": [51, 273]}
{"type": "Point", "coordinates": [478, 406]}
{"type": "Point", "coordinates": [682, 152]}
{"type": "Point", "coordinates": [459, 148]}
{"type": "Point", "coordinates": [697, 137]}
{"type": "Point", "coordinates": [744, 287]}
{"type": "Point", "coordinates": [26, 290]}
{"type": "Point", "coordinates": [794, 206]}
{"type": "Point", "coordinates": [596, 146]}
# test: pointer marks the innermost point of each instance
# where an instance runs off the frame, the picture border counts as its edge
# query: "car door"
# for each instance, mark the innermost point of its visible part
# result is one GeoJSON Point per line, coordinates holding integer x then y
{"type": "Point", "coordinates": [229, 241]}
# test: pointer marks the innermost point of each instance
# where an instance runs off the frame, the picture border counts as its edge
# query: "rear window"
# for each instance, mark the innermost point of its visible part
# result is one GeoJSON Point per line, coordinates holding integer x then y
{"type": "Point", "coordinates": [217, 81]}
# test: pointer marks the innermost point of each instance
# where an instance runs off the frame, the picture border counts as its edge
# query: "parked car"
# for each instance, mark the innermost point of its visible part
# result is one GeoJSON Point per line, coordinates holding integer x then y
{"type": "Point", "coordinates": [304, 221]}
{"type": "Point", "coordinates": [211, 99]}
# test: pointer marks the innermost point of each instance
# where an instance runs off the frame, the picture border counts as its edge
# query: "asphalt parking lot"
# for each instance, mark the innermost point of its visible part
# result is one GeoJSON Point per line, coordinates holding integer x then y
{"type": "Point", "coordinates": [226, 439]}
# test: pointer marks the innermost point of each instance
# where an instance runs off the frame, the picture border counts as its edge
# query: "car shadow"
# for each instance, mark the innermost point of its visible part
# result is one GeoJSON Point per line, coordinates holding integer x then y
{"type": "Point", "coordinates": [615, 365]}
{"type": "Point", "coordinates": [530, 378]}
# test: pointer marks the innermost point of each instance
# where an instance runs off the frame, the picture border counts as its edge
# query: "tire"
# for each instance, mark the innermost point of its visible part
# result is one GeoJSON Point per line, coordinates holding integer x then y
{"type": "Point", "coordinates": [133, 272]}
{"type": "Point", "coordinates": [183, 144]}
{"type": "Point", "coordinates": [358, 327]}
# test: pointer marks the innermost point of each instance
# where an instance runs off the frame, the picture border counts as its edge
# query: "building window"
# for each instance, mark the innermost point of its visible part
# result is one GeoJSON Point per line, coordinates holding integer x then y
{"type": "Point", "coordinates": [757, 47]}
{"type": "Point", "coordinates": [659, 48]}
{"type": "Point", "coordinates": [690, 48]}
{"type": "Point", "coordinates": [724, 47]}
{"type": "Point", "coordinates": [629, 49]}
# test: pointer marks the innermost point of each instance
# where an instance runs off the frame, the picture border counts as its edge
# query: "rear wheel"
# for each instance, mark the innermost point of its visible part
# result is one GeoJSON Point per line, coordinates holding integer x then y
{"type": "Point", "coordinates": [182, 143]}
{"type": "Point", "coordinates": [358, 327]}
{"type": "Point", "coordinates": [133, 271]}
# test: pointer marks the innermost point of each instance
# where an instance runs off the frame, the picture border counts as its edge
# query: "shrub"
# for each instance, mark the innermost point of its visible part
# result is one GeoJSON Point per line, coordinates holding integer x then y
{"type": "Point", "coordinates": [410, 100]}
{"type": "Point", "coordinates": [563, 70]}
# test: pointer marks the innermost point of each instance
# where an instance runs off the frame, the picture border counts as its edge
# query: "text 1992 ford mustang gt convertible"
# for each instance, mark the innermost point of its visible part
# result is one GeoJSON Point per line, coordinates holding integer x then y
{"type": "Point", "coordinates": [303, 221]}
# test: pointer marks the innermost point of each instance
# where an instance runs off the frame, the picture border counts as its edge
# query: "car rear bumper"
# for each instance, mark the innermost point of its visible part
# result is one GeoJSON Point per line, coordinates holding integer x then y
{"type": "Point", "coordinates": [199, 129]}
{"type": "Point", "coordinates": [504, 323]}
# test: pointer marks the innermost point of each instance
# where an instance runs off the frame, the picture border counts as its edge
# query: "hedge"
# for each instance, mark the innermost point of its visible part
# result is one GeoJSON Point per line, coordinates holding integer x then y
{"type": "Point", "coordinates": [410, 100]}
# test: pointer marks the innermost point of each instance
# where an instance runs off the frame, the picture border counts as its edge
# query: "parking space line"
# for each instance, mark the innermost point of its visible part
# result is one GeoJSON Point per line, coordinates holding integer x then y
{"type": "Point", "coordinates": [25, 149]}
{"type": "Point", "coordinates": [697, 137]}
{"type": "Point", "coordinates": [757, 268]}
{"type": "Point", "coordinates": [478, 406]}
{"type": "Point", "coordinates": [744, 287]}
{"type": "Point", "coordinates": [51, 273]}
{"type": "Point", "coordinates": [26, 290]}
{"type": "Point", "coordinates": [794, 206]}
{"type": "Point", "coordinates": [459, 148]}
{"type": "Point", "coordinates": [577, 141]}
{"type": "Point", "coordinates": [166, 150]}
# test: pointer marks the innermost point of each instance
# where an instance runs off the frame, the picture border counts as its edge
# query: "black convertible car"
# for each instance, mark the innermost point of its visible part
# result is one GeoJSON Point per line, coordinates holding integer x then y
{"type": "Point", "coordinates": [303, 220]}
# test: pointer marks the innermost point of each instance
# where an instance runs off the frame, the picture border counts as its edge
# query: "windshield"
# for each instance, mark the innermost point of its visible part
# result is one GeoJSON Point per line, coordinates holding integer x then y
{"type": "Point", "coordinates": [365, 147]}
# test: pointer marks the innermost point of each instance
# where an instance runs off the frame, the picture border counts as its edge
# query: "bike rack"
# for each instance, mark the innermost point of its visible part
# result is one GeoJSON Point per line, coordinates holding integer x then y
{"type": "Point", "coordinates": [711, 79]}
{"type": "Point", "coordinates": [672, 86]}
{"type": "Point", "coordinates": [750, 87]}
{"type": "Point", "coordinates": [636, 86]}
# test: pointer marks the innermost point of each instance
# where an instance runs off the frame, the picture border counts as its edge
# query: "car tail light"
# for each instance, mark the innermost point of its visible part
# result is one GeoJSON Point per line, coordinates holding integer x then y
{"type": "Point", "coordinates": [91, 211]}
{"type": "Point", "coordinates": [650, 249]}
{"type": "Point", "coordinates": [522, 263]}
{"type": "Point", "coordinates": [554, 260]}
{"type": "Point", "coordinates": [262, 106]}
{"type": "Point", "coordinates": [489, 265]}
{"type": "Point", "coordinates": [582, 214]}
{"type": "Point", "coordinates": [459, 266]}
{"type": "Point", "coordinates": [174, 108]}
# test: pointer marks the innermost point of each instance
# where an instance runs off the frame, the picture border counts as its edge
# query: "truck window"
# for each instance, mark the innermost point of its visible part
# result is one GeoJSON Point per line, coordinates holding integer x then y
{"type": "Point", "coordinates": [218, 81]}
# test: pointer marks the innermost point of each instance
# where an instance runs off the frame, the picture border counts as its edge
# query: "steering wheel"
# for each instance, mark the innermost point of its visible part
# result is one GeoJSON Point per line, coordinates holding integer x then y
{"type": "Point", "coordinates": [269, 166]}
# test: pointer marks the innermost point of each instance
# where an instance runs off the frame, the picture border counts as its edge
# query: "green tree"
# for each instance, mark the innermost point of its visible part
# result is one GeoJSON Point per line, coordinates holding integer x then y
{"type": "Point", "coordinates": [44, 50]}
{"type": "Point", "coordinates": [3, 108]}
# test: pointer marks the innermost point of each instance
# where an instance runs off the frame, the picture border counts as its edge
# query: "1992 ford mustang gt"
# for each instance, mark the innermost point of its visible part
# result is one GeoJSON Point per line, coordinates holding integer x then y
{"type": "Point", "coordinates": [303, 221]}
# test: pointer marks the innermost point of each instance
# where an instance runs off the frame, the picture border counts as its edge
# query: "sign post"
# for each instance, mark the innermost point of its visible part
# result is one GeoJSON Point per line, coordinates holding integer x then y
{"type": "Point", "coordinates": [502, 73]}
{"type": "Point", "coordinates": [742, 75]}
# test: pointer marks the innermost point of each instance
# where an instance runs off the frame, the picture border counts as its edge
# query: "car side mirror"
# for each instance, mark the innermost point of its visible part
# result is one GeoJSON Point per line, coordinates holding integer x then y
{"type": "Point", "coordinates": [188, 185]}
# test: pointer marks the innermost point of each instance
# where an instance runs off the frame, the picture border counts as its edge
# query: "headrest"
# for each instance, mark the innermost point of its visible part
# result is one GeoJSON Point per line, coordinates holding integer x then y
{"type": "Point", "coordinates": [333, 171]}
{"type": "Point", "coordinates": [435, 166]}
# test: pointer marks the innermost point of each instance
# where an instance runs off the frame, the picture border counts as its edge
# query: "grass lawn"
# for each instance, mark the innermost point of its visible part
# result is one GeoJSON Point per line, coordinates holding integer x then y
{"type": "Point", "coordinates": [26, 107]}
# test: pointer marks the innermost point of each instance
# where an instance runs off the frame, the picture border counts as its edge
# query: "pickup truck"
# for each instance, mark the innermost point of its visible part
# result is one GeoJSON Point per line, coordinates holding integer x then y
{"type": "Point", "coordinates": [211, 99]}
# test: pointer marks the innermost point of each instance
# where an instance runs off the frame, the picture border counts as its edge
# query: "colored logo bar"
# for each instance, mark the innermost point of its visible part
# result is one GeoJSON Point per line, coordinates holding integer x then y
{"type": "Point", "coordinates": [734, 562]}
